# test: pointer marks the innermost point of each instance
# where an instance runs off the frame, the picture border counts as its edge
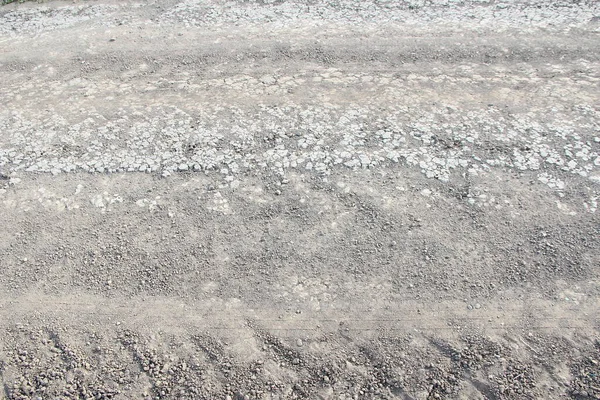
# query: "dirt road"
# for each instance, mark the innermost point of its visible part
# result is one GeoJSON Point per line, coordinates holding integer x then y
{"type": "Point", "coordinates": [300, 200]}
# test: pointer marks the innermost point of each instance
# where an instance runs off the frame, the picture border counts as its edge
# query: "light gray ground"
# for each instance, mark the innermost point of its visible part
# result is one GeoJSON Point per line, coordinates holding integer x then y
{"type": "Point", "coordinates": [300, 200]}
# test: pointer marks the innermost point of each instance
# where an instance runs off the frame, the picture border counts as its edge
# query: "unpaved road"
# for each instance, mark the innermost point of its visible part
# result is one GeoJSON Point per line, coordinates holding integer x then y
{"type": "Point", "coordinates": [300, 200]}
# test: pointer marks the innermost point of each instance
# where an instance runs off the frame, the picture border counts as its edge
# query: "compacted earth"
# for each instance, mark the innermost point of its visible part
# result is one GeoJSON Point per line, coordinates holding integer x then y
{"type": "Point", "coordinates": [300, 199]}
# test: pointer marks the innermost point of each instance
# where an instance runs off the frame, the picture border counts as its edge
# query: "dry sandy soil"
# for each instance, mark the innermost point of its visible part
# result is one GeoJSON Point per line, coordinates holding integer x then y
{"type": "Point", "coordinates": [300, 199]}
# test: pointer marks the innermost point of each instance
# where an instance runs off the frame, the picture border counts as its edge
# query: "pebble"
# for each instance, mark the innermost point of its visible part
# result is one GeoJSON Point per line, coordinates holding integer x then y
{"type": "Point", "coordinates": [299, 342]}
{"type": "Point", "coordinates": [268, 80]}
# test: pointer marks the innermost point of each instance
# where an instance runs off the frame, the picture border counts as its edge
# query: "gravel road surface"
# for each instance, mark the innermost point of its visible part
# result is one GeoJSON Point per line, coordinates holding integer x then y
{"type": "Point", "coordinates": [300, 199]}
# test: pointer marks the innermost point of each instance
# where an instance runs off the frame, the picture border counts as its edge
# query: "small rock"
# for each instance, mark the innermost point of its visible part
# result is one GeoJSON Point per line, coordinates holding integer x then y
{"type": "Point", "coordinates": [268, 80]}
{"type": "Point", "coordinates": [112, 39]}
{"type": "Point", "coordinates": [478, 306]}
{"type": "Point", "coordinates": [299, 342]}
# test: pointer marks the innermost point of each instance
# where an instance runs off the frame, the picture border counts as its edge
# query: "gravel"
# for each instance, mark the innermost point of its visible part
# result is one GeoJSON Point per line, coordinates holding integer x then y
{"type": "Point", "coordinates": [299, 199]}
